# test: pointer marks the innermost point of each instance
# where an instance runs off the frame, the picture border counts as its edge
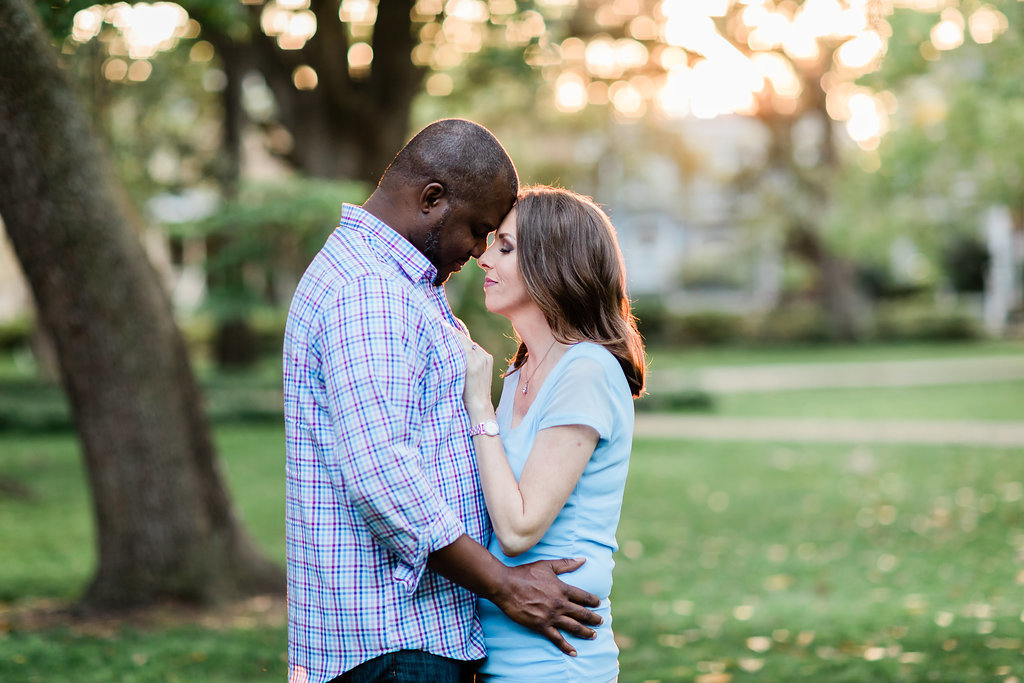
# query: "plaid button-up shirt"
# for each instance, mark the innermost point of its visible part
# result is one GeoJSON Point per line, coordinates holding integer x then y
{"type": "Point", "coordinates": [380, 469]}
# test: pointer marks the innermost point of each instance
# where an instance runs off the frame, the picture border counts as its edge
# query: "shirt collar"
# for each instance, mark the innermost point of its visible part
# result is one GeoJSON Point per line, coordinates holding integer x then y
{"type": "Point", "coordinates": [389, 244]}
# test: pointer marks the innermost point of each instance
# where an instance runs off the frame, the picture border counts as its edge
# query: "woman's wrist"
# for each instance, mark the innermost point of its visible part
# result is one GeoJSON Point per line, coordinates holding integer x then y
{"type": "Point", "coordinates": [481, 412]}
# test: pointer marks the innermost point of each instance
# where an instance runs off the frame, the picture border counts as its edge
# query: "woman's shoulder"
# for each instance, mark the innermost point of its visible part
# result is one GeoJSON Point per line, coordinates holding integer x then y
{"type": "Point", "coordinates": [582, 352]}
{"type": "Point", "coordinates": [590, 359]}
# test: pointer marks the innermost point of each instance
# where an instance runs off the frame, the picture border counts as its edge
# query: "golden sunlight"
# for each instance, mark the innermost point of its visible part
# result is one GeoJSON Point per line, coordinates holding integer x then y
{"type": "Point", "coordinates": [146, 28]}
{"type": "Point", "coordinates": [627, 99]}
{"type": "Point", "coordinates": [291, 27]}
{"type": "Point", "coordinates": [361, 11]}
{"type": "Point", "coordinates": [949, 32]}
{"type": "Point", "coordinates": [140, 70]}
{"type": "Point", "coordinates": [360, 56]}
{"type": "Point", "coordinates": [87, 23]}
{"type": "Point", "coordinates": [143, 30]}
{"type": "Point", "coordinates": [570, 92]}
{"type": "Point", "coordinates": [304, 78]}
{"type": "Point", "coordinates": [679, 60]}
{"type": "Point", "coordinates": [867, 120]}
{"type": "Point", "coordinates": [439, 85]}
{"type": "Point", "coordinates": [862, 51]}
{"type": "Point", "coordinates": [986, 23]}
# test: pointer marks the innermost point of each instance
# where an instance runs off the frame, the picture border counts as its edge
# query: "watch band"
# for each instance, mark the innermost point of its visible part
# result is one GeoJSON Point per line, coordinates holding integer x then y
{"type": "Point", "coordinates": [485, 428]}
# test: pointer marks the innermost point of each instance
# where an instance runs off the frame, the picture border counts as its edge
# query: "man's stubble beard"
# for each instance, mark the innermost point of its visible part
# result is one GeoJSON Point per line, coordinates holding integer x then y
{"type": "Point", "coordinates": [432, 246]}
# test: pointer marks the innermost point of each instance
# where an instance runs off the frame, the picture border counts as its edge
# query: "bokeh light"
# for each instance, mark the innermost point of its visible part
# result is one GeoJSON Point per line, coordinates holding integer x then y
{"type": "Point", "coordinates": [304, 77]}
{"type": "Point", "coordinates": [360, 57]}
{"type": "Point", "coordinates": [681, 58]}
{"type": "Point", "coordinates": [571, 92]}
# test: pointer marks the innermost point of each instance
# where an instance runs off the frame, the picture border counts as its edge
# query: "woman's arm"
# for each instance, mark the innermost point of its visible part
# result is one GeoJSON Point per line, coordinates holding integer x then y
{"type": "Point", "coordinates": [522, 511]}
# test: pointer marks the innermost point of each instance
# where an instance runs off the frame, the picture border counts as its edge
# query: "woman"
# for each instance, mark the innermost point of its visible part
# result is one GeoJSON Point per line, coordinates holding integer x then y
{"type": "Point", "coordinates": [553, 459]}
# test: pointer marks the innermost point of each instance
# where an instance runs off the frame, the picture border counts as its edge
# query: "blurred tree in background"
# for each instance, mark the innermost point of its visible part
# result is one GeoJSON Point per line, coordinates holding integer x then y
{"type": "Point", "coordinates": [237, 128]}
{"type": "Point", "coordinates": [958, 103]}
{"type": "Point", "coordinates": [165, 524]}
{"type": "Point", "coordinates": [332, 86]}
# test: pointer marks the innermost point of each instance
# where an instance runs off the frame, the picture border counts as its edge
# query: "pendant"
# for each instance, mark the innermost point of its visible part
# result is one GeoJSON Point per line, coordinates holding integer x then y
{"type": "Point", "coordinates": [526, 385]}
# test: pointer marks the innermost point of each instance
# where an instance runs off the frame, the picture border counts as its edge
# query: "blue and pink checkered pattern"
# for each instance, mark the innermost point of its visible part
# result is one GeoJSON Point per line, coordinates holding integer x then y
{"type": "Point", "coordinates": [380, 469]}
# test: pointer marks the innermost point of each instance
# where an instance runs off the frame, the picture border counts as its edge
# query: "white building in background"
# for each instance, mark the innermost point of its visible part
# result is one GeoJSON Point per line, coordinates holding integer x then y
{"type": "Point", "coordinates": [15, 298]}
{"type": "Point", "coordinates": [652, 245]}
{"type": "Point", "coordinates": [1004, 289]}
{"type": "Point", "coordinates": [679, 219]}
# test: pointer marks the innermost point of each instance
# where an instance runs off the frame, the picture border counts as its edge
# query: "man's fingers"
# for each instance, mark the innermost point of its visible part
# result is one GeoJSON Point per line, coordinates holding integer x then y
{"type": "Point", "coordinates": [581, 597]}
{"type": "Point", "coordinates": [555, 637]}
{"type": "Point", "coordinates": [576, 595]}
{"type": "Point", "coordinates": [567, 564]}
{"type": "Point", "coordinates": [571, 624]}
{"type": "Point", "coordinates": [582, 614]}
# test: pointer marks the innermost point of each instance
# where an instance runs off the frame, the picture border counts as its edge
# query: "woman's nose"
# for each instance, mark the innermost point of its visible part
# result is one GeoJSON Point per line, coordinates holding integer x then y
{"type": "Point", "coordinates": [484, 260]}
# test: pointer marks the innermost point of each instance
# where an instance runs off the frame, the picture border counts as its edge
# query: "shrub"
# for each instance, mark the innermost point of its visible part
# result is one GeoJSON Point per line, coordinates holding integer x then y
{"type": "Point", "coordinates": [705, 328]}
{"type": "Point", "coordinates": [966, 261]}
{"type": "Point", "coordinates": [662, 327]}
{"type": "Point", "coordinates": [924, 321]}
{"type": "Point", "coordinates": [15, 333]}
{"type": "Point", "coordinates": [651, 319]}
{"type": "Point", "coordinates": [687, 400]}
{"type": "Point", "coordinates": [797, 322]}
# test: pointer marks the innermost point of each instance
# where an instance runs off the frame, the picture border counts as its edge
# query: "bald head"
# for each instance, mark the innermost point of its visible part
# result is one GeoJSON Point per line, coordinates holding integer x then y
{"type": "Point", "coordinates": [461, 155]}
{"type": "Point", "coordinates": [446, 191]}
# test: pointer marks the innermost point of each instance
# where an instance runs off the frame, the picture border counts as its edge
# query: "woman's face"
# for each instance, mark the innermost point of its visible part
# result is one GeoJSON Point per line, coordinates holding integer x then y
{"type": "Point", "coordinates": [504, 290]}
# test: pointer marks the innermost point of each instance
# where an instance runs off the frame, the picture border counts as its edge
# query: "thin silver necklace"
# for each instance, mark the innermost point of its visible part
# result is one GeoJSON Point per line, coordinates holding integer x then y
{"type": "Point", "coordinates": [526, 380]}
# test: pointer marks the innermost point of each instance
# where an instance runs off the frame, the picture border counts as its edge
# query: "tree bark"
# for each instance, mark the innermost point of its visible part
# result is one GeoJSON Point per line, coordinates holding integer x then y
{"type": "Point", "coordinates": [165, 524]}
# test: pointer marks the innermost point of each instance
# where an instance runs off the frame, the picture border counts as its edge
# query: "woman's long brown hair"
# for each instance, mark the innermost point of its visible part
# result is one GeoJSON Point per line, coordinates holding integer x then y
{"type": "Point", "coordinates": [572, 267]}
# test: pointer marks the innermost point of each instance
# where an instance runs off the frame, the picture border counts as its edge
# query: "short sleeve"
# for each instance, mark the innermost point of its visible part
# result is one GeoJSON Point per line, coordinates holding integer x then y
{"type": "Point", "coordinates": [580, 395]}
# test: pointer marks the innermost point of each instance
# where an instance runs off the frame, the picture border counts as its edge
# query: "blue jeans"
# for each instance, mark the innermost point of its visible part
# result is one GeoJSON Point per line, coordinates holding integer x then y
{"type": "Point", "coordinates": [409, 666]}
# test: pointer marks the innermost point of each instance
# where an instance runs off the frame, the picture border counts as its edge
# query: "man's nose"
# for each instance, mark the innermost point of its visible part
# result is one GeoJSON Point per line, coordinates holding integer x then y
{"type": "Point", "coordinates": [479, 248]}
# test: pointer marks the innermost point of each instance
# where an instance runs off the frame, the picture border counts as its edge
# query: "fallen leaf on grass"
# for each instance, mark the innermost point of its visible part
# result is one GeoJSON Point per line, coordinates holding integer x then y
{"type": "Point", "coordinates": [716, 677]}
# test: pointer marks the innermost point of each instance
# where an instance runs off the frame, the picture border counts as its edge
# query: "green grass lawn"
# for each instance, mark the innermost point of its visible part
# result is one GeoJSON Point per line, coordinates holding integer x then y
{"type": "Point", "coordinates": [983, 401]}
{"type": "Point", "coordinates": [782, 562]}
{"type": "Point", "coordinates": [696, 357]}
{"type": "Point", "coordinates": [739, 561]}
{"type": "Point", "coordinates": [767, 562]}
{"type": "Point", "coordinates": [971, 401]}
{"type": "Point", "coordinates": [48, 554]}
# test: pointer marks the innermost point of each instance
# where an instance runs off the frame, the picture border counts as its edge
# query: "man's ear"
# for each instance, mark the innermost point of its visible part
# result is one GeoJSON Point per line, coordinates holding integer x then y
{"type": "Point", "coordinates": [432, 197]}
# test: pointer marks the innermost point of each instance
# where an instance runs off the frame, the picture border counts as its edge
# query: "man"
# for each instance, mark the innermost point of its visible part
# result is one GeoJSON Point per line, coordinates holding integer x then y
{"type": "Point", "coordinates": [385, 516]}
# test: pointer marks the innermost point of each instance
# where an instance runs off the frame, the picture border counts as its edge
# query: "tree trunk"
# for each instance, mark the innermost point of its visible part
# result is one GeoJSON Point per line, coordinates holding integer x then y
{"type": "Point", "coordinates": [165, 525]}
{"type": "Point", "coordinates": [844, 307]}
{"type": "Point", "coordinates": [349, 126]}
{"type": "Point", "coordinates": [846, 310]}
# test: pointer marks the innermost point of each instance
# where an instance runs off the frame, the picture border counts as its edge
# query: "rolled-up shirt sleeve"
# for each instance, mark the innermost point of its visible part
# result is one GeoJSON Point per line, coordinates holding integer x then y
{"type": "Point", "coordinates": [376, 347]}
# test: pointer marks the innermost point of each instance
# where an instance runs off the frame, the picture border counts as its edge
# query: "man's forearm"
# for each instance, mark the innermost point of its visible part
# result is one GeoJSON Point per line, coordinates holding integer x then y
{"type": "Point", "coordinates": [530, 594]}
{"type": "Point", "coordinates": [470, 565]}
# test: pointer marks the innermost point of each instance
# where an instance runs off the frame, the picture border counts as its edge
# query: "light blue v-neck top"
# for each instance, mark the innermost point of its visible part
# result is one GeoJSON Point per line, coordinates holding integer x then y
{"type": "Point", "coordinates": [586, 387]}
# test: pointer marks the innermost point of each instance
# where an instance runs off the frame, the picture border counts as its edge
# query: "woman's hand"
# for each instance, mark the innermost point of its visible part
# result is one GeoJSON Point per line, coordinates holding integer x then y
{"type": "Point", "coordinates": [479, 374]}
